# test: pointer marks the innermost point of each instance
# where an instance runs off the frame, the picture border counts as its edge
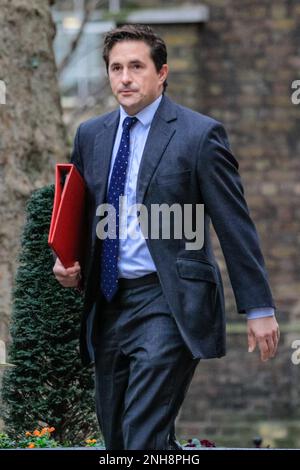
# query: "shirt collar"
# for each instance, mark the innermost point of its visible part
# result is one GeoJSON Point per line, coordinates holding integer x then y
{"type": "Point", "coordinates": [146, 115]}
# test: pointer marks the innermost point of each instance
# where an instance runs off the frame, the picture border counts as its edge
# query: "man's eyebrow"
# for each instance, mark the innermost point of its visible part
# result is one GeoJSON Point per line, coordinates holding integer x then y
{"type": "Point", "coordinates": [114, 63]}
{"type": "Point", "coordinates": [131, 62]}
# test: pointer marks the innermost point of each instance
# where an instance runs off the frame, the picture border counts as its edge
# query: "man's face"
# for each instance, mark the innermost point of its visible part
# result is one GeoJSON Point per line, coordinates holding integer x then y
{"type": "Point", "coordinates": [133, 77]}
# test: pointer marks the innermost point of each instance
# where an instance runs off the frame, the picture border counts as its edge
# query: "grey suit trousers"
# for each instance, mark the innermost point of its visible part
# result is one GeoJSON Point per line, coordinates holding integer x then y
{"type": "Point", "coordinates": [142, 370]}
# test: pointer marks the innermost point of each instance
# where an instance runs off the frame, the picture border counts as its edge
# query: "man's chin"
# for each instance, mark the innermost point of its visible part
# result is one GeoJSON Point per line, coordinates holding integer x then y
{"type": "Point", "coordinates": [131, 106]}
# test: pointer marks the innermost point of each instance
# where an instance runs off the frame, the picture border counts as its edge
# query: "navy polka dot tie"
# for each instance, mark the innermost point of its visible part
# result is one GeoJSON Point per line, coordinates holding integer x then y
{"type": "Point", "coordinates": [110, 246]}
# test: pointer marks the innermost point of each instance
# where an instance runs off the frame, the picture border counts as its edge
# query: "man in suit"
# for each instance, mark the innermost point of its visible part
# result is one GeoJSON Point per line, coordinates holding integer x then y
{"type": "Point", "coordinates": [155, 306]}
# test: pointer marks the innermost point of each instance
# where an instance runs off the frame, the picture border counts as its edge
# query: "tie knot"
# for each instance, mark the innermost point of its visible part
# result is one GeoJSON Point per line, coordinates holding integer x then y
{"type": "Point", "coordinates": [128, 122]}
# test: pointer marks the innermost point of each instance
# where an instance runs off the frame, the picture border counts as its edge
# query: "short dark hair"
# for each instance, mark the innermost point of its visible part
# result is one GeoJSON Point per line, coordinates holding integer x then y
{"type": "Point", "coordinates": [137, 32]}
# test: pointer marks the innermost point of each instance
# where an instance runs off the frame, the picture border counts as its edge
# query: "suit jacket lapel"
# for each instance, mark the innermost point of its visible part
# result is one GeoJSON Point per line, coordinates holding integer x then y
{"type": "Point", "coordinates": [162, 129]}
{"type": "Point", "coordinates": [103, 147]}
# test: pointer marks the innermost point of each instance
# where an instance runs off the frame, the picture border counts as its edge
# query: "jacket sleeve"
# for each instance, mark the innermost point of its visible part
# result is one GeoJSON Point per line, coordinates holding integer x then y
{"type": "Point", "coordinates": [224, 201]}
{"type": "Point", "coordinates": [75, 156]}
{"type": "Point", "coordinates": [77, 161]}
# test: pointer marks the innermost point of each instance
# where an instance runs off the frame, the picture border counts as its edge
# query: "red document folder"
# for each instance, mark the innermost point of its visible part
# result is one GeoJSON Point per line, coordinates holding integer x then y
{"type": "Point", "coordinates": [67, 228]}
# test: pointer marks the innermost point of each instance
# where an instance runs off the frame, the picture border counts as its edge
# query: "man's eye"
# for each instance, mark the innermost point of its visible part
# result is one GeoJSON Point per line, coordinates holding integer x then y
{"type": "Point", "coordinates": [137, 66]}
{"type": "Point", "coordinates": [115, 68]}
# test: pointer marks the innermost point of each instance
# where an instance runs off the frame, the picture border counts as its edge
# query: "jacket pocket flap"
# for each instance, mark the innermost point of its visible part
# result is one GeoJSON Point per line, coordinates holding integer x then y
{"type": "Point", "coordinates": [172, 178]}
{"type": "Point", "coordinates": [194, 269]}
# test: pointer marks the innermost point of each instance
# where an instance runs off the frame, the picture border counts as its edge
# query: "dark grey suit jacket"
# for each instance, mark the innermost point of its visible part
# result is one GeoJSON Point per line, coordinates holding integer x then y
{"type": "Point", "coordinates": [186, 160]}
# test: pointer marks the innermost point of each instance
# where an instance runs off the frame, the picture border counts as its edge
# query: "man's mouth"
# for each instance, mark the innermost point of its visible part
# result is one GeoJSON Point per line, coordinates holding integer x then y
{"type": "Point", "coordinates": [127, 91]}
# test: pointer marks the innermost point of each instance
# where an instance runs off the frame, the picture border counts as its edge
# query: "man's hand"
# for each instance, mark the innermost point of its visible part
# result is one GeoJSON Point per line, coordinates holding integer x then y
{"type": "Point", "coordinates": [265, 332]}
{"type": "Point", "coordinates": [67, 277]}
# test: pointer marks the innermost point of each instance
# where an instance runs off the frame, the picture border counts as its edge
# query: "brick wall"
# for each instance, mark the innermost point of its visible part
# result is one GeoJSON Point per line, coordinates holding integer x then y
{"type": "Point", "coordinates": [239, 68]}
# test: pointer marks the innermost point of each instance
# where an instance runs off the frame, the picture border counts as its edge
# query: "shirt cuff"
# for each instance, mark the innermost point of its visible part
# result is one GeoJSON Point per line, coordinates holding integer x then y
{"type": "Point", "coordinates": [253, 313]}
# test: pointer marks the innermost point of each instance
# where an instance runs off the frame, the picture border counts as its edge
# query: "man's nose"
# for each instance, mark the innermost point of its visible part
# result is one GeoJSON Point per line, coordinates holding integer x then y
{"type": "Point", "coordinates": [126, 77]}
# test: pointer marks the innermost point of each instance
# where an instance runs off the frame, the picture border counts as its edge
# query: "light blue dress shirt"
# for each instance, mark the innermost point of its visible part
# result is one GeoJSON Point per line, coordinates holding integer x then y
{"type": "Point", "coordinates": [134, 257]}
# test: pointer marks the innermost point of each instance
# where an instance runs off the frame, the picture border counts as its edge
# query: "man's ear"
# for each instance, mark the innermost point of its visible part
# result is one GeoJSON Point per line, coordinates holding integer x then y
{"type": "Point", "coordinates": [163, 73]}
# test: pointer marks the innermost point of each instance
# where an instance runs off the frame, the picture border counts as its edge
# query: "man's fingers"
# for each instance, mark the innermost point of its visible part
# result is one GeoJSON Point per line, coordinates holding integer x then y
{"type": "Point", "coordinates": [72, 272]}
{"type": "Point", "coordinates": [61, 270]}
{"type": "Point", "coordinates": [264, 349]}
{"type": "Point", "coordinates": [267, 347]}
{"type": "Point", "coordinates": [276, 335]}
{"type": "Point", "coordinates": [73, 269]}
{"type": "Point", "coordinates": [65, 273]}
{"type": "Point", "coordinates": [274, 339]}
{"type": "Point", "coordinates": [67, 277]}
{"type": "Point", "coordinates": [251, 342]}
{"type": "Point", "coordinates": [265, 332]}
{"type": "Point", "coordinates": [271, 345]}
{"type": "Point", "coordinates": [68, 281]}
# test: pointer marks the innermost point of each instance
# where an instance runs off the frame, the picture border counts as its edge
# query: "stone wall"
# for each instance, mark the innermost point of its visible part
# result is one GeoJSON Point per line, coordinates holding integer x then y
{"type": "Point", "coordinates": [239, 68]}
